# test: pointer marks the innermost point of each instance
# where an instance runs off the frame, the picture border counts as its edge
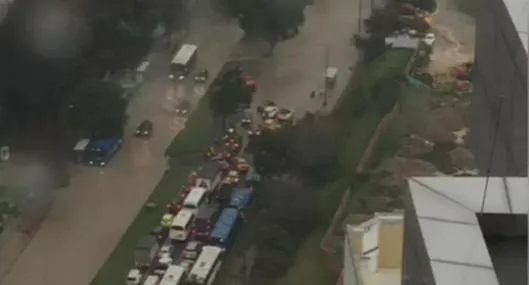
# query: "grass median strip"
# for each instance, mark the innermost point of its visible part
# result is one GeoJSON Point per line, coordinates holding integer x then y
{"type": "Point", "coordinates": [309, 267]}
{"type": "Point", "coordinates": [196, 137]}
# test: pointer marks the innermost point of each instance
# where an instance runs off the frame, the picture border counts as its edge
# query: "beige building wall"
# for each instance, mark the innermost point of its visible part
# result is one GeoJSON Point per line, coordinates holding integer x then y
{"type": "Point", "coordinates": [390, 245]}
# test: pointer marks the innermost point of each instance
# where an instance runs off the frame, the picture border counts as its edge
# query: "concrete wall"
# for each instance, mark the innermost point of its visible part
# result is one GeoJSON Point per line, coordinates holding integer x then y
{"type": "Point", "coordinates": [500, 70]}
{"type": "Point", "coordinates": [350, 273]}
{"type": "Point", "coordinates": [416, 269]}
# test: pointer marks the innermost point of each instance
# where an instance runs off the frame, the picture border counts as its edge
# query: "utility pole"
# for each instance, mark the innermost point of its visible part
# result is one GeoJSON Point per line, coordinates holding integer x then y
{"type": "Point", "coordinates": [326, 67]}
{"type": "Point", "coordinates": [372, 2]}
{"type": "Point", "coordinates": [360, 16]}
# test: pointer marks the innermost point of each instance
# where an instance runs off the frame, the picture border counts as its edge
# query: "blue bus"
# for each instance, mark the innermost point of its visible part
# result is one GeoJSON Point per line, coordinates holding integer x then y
{"type": "Point", "coordinates": [225, 230]}
{"type": "Point", "coordinates": [100, 152]}
{"type": "Point", "coordinates": [241, 197]}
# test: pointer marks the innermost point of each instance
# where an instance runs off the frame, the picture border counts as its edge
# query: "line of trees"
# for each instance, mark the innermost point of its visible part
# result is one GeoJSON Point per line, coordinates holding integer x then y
{"type": "Point", "coordinates": [271, 20]}
{"type": "Point", "coordinates": [295, 162]}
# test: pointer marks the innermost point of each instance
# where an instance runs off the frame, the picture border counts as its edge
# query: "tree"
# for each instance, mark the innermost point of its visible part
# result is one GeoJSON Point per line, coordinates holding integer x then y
{"type": "Point", "coordinates": [290, 203]}
{"type": "Point", "coordinates": [275, 252]}
{"type": "Point", "coordinates": [96, 109]}
{"type": "Point", "coordinates": [269, 152]}
{"type": "Point", "coordinates": [271, 20]}
{"type": "Point", "coordinates": [372, 46]}
{"type": "Point", "coordinates": [383, 21]}
{"type": "Point", "coordinates": [312, 147]}
{"type": "Point", "coordinates": [428, 5]}
{"type": "Point", "coordinates": [228, 93]}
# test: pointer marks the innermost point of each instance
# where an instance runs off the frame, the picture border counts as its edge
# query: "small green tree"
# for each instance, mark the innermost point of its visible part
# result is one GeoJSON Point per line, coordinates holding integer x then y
{"type": "Point", "coordinates": [96, 109]}
{"type": "Point", "coordinates": [229, 93]}
{"type": "Point", "coordinates": [383, 21]}
{"type": "Point", "coordinates": [277, 196]}
{"type": "Point", "coordinates": [271, 20]}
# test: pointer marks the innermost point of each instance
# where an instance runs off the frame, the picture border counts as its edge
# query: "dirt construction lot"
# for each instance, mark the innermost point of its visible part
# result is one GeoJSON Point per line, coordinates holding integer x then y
{"type": "Point", "coordinates": [455, 36]}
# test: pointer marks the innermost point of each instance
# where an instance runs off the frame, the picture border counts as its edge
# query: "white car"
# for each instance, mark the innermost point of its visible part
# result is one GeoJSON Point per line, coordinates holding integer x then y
{"type": "Point", "coordinates": [192, 250]}
{"type": "Point", "coordinates": [270, 112]}
{"type": "Point", "coordinates": [134, 277]}
{"type": "Point", "coordinates": [429, 39]}
{"type": "Point", "coordinates": [165, 250]}
{"type": "Point", "coordinates": [284, 114]}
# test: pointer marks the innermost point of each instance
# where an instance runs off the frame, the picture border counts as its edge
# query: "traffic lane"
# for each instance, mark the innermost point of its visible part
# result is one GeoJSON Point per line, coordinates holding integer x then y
{"type": "Point", "coordinates": [89, 218]}
{"type": "Point", "coordinates": [297, 65]}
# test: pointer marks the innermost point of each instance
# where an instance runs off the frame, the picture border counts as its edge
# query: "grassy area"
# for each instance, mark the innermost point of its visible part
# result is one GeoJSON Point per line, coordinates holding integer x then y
{"type": "Point", "coordinates": [196, 137]}
{"type": "Point", "coordinates": [121, 259]}
{"type": "Point", "coordinates": [199, 132]}
{"type": "Point", "coordinates": [357, 121]}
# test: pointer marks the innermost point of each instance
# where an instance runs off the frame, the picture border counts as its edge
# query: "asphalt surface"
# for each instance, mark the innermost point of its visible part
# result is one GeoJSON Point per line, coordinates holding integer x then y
{"type": "Point", "coordinates": [90, 216]}
{"type": "Point", "coordinates": [297, 65]}
{"type": "Point", "coordinates": [287, 78]}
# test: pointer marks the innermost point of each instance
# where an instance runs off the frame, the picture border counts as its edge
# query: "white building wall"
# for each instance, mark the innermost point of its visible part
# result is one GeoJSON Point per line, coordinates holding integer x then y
{"type": "Point", "coordinates": [350, 273]}
{"type": "Point", "coordinates": [370, 236]}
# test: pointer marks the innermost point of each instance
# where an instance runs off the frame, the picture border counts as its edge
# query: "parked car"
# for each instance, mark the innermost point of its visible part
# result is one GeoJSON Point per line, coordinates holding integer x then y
{"type": "Point", "coordinates": [144, 129]}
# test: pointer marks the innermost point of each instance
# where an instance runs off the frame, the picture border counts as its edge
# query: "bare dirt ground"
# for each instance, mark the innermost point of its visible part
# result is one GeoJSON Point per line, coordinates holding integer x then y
{"type": "Point", "coordinates": [455, 35]}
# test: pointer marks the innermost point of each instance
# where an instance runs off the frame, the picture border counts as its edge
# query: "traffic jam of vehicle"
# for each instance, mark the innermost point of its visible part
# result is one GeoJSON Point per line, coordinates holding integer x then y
{"type": "Point", "coordinates": [200, 226]}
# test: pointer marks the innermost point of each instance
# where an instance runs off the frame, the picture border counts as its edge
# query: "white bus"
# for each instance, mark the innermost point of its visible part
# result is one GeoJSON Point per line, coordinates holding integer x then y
{"type": "Point", "coordinates": [195, 198]}
{"type": "Point", "coordinates": [181, 225]}
{"type": "Point", "coordinates": [175, 275]}
{"type": "Point", "coordinates": [207, 266]}
{"type": "Point", "coordinates": [183, 61]}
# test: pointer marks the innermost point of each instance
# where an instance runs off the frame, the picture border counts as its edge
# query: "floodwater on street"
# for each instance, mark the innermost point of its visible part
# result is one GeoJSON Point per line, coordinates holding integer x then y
{"type": "Point", "coordinates": [90, 216]}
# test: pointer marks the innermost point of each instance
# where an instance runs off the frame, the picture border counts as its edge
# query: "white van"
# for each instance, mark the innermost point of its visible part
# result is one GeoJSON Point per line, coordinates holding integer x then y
{"type": "Point", "coordinates": [195, 199]}
{"type": "Point", "coordinates": [182, 224]}
{"type": "Point", "coordinates": [134, 277]}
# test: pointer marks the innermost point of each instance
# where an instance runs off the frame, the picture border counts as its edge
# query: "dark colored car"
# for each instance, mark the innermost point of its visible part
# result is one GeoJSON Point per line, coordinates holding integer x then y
{"type": "Point", "coordinates": [247, 118]}
{"type": "Point", "coordinates": [250, 83]}
{"type": "Point", "coordinates": [144, 129]}
{"type": "Point", "coordinates": [183, 108]}
{"type": "Point", "coordinates": [202, 75]}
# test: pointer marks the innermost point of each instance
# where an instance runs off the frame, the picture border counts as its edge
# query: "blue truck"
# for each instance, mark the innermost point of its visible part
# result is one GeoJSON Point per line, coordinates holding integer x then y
{"type": "Point", "coordinates": [241, 197]}
{"type": "Point", "coordinates": [100, 152]}
{"type": "Point", "coordinates": [225, 230]}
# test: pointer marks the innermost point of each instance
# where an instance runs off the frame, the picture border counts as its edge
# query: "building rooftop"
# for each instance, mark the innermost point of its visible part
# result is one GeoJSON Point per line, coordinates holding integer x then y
{"type": "Point", "coordinates": [446, 209]}
{"type": "Point", "coordinates": [377, 250]}
{"type": "Point", "coordinates": [519, 11]}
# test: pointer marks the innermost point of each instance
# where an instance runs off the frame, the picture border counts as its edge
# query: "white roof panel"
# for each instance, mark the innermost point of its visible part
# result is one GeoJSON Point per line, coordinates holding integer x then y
{"type": "Point", "coordinates": [468, 192]}
{"type": "Point", "coordinates": [455, 242]}
{"type": "Point", "coordinates": [519, 11]}
{"type": "Point", "coordinates": [446, 210]}
{"type": "Point", "coordinates": [430, 206]}
{"type": "Point", "coordinates": [446, 273]}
